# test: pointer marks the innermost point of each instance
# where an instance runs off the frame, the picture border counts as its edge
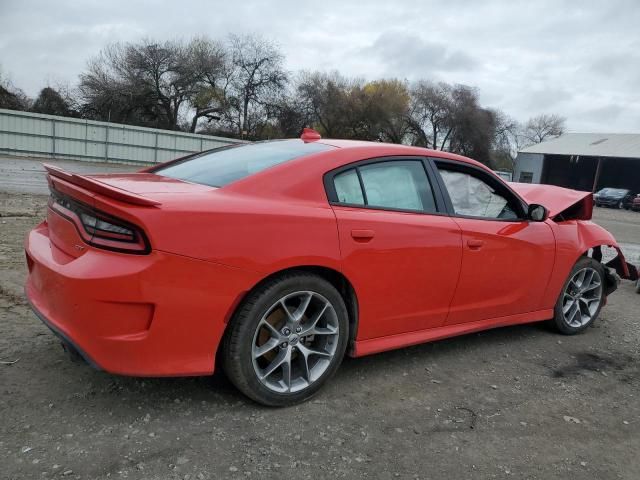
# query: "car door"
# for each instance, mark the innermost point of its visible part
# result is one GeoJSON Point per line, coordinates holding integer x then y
{"type": "Point", "coordinates": [507, 259]}
{"type": "Point", "coordinates": [399, 248]}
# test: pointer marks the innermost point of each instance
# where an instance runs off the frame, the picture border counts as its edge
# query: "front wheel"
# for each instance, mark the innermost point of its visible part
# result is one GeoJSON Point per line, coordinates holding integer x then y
{"type": "Point", "coordinates": [620, 205]}
{"type": "Point", "coordinates": [581, 298]}
{"type": "Point", "coordinates": [286, 340]}
{"type": "Point", "coordinates": [638, 286]}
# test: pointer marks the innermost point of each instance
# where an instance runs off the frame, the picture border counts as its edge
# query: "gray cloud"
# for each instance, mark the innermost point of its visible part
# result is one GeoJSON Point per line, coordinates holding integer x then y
{"type": "Point", "coordinates": [409, 53]}
{"type": "Point", "coordinates": [576, 59]}
{"type": "Point", "coordinates": [550, 99]}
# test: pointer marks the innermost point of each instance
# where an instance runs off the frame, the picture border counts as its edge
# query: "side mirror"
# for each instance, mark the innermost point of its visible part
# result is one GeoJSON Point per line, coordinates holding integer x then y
{"type": "Point", "coordinates": [537, 213]}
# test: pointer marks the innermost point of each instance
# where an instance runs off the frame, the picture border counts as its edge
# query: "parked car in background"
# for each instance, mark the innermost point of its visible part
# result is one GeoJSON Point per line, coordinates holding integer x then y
{"type": "Point", "coordinates": [274, 259]}
{"type": "Point", "coordinates": [635, 204]}
{"type": "Point", "coordinates": [628, 200]}
{"type": "Point", "coordinates": [614, 197]}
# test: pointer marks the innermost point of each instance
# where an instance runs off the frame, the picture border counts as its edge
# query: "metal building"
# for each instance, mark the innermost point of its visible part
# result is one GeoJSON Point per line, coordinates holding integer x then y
{"type": "Point", "coordinates": [583, 161]}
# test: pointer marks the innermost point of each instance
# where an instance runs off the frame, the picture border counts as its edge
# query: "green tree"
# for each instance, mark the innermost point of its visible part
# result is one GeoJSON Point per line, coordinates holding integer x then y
{"type": "Point", "coordinates": [386, 110]}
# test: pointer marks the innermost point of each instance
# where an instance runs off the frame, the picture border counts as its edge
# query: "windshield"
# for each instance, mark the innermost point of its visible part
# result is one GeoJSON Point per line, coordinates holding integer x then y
{"type": "Point", "coordinates": [613, 191]}
{"type": "Point", "coordinates": [222, 166]}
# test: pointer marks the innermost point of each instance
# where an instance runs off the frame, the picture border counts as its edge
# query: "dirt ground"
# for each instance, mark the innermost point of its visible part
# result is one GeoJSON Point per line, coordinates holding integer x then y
{"type": "Point", "coordinates": [518, 402]}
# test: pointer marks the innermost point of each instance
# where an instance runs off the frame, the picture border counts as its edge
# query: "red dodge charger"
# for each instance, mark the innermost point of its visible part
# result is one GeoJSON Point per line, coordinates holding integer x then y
{"type": "Point", "coordinates": [274, 259]}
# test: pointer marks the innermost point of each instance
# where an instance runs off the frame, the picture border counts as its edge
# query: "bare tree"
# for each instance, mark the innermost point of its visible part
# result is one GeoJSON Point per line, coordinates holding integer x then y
{"type": "Point", "coordinates": [473, 133]}
{"type": "Point", "coordinates": [431, 114]}
{"type": "Point", "coordinates": [325, 96]}
{"type": "Point", "coordinates": [11, 97]}
{"type": "Point", "coordinates": [154, 83]}
{"type": "Point", "coordinates": [290, 115]}
{"type": "Point", "coordinates": [240, 88]}
{"type": "Point", "coordinates": [164, 73]}
{"type": "Point", "coordinates": [449, 117]}
{"type": "Point", "coordinates": [211, 60]}
{"type": "Point", "coordinates": [257, 76]}
{"type": "Point", "coordinates": [505, 141]}
{"type": "Point", "coordinates": [131, 83]}
{"type": "Point", "coordinates": [51, 102]}
{"type": "Point", "coordinates": [542, 127]}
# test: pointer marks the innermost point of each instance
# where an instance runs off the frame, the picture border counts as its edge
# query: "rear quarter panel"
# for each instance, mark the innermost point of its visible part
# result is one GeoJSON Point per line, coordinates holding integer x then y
{"type": "Point", "coordinates": [249, 232]}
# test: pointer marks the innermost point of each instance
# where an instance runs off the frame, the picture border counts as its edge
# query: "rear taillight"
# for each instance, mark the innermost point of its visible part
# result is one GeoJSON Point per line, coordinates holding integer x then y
{"type": "Point", "coordinates": [98, 228]}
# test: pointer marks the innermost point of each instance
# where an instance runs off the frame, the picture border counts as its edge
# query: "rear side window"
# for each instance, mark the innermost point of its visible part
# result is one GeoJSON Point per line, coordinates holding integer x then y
{"type": "Point", "coordinates": [228, 164]}
{"type": "Point", "coordinates": [348, 187]}
{"type": "Point", "coordinates": [395, 185]}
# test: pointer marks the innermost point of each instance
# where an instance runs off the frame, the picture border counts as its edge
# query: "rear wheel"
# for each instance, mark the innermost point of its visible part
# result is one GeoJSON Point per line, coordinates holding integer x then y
{"type": "Point", "coordinates": [286, 340]}
{"type": "Point", "coordinates": [581, 298]}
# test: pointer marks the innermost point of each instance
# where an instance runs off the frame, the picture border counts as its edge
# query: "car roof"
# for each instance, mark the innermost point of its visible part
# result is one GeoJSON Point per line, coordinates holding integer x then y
{"type": "Point", "coordinates": [298, 177]}
{"type": "Point", "coordinates": [396, 148]}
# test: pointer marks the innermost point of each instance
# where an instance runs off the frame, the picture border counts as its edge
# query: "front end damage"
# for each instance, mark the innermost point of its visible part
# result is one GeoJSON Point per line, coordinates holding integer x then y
{"type": "Point", "coordinates": [594, 239]}
{"type": "Point", "coordinates": [568, 206]}
{"type": "Point", "coordinates": [615, 269]}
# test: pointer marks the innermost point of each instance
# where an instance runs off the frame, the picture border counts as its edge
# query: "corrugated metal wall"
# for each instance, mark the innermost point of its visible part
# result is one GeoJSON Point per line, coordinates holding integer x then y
{"type": "Point", "coordinates": [38, 135]}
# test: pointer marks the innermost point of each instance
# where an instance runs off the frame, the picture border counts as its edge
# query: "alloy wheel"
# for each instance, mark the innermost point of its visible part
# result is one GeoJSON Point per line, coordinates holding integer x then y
{"type": "Point", "coordinates": [295, 342]}
{"type": "Point", "coordinates": [582, 297]}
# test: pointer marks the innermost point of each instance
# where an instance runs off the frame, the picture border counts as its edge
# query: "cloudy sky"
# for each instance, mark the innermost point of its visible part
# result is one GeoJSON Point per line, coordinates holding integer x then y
{"type": "Point", "coordinates": [578, 58]}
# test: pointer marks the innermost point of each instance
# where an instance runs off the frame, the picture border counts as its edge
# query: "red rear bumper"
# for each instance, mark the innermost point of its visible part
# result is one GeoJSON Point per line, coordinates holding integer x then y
{"type": "Point", "coordinates": [144, 315]}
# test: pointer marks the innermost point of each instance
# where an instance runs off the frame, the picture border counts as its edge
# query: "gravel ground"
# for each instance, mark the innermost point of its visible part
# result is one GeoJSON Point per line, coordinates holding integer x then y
{"type": "Point", "coordinates": [518, 402]}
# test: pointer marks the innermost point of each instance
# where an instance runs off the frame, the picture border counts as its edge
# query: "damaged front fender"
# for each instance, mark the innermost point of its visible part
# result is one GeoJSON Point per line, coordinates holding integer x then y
{"type": "Point", "coordinates": [621, 266]}
{"type": "Point", "coordinates": [576, 238]}
{"type": "Point", "coordinates": [566, 205]}
{"type": "Point", "coordinates": [576, 235]}
{"type": "Point", "coordinates": [594, 237]}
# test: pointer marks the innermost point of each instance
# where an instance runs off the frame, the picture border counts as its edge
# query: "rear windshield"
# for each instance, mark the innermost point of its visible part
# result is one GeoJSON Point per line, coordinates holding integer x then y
{"type": "Point", "coordinates": [219, 167]}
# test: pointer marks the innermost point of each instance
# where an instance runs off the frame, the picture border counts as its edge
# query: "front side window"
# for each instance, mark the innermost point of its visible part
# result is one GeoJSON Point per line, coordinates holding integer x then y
{"type": "Point", "coordinates": [225, 165]}
{"type": "Point", "coordinates": [396, 185]}
{"type": "Point", "coordinates": [473, 197]}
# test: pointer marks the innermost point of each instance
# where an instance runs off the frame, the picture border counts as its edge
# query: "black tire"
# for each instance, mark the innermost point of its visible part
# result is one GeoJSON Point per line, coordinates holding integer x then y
{"type": "Point", "coordinates": [559, 321]}
{"type": "Point", "coordinates": [237, 356]}
{"type": "Point", "coordinates": [638, 286]}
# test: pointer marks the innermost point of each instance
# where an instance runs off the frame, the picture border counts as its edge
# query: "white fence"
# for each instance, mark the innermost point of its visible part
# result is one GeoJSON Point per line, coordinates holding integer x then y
{"type": "Point", "coordinates": [38, 135]}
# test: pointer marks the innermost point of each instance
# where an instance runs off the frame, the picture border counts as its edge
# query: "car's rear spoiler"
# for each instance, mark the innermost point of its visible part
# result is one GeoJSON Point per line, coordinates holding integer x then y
{"type": "Point", "coordinates": [96, 186]}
